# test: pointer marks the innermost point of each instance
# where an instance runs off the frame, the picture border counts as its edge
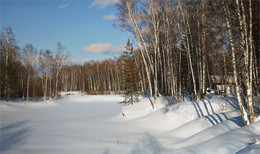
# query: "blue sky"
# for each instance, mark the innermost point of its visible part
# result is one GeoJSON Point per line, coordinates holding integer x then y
{"type": "Point", "coordinates": [84, 27]}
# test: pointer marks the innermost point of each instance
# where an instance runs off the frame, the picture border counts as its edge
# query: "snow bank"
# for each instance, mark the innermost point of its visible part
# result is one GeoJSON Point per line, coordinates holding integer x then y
{"type": "Point", "coordinates": [99, 124]}
{"type": "Point", "coordinates": [141, 108]}
{"type": "Point", "coordinates": [95, 98]}
{"type": "Point", "coordinates": [68, 93]}
{"type": "Point", "coordinates": [229, 141]}
{"type": "Point", "coordinates": [196, 127]}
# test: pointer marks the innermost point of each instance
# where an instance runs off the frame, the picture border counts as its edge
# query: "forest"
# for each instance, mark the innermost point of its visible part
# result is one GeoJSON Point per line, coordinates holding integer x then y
{"type": "Point", "coordinates": [174, 49]}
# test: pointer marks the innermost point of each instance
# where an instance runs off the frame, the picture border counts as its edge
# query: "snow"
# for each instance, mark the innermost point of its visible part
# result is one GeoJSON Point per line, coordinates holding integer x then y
{"type": "Point", "coordinates": [78, 123]}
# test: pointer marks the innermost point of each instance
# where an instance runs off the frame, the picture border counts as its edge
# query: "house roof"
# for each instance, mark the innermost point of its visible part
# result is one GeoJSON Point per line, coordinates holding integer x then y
{"type": "Point", "coordinates": [221, 79]}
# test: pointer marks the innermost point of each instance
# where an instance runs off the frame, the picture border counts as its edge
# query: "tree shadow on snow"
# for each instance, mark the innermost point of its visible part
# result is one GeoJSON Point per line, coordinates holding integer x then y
{"type": "Point", "coordinates": [170, 102]}
{"type": "Point", "coordinates": [209, 96]}
{"type": "Point", "coordinates": [150, 101]}
{"type": "Point", "coordinates": [13, 135]}
{"type": "Point", "coordinates": [198, 109]}
{"type": "Point", "coordinates": [212, 117]}
{"type": "Point", "coordinates": [213, 112]}
{"type": "Point", "coordinates": [238, 121]}
{"type": "Point", "coordinates": [106, 151]}
{"type": "Point", "coordinates": [151, 145]}
{"type": "Point", "coordinates": [232, 101]}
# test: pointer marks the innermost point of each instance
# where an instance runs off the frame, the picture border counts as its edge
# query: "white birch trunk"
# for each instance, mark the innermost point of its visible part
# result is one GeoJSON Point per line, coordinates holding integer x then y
{"type": "Point", "coordinates": [28, 86]}
{"type": "Point", "coordinates": [250, 88]}
{"type": "Point", "coordinates": [190, 61]}
{"type": "Point", "coordinates": [242, 110]}
{"type": "Point", "coordinates": [141, 44]}
{"type": "Point", "coordinates": [203, 50]}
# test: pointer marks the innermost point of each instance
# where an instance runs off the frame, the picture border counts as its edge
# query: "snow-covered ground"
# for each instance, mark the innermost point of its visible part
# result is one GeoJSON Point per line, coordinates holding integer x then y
{"type": "Point", "coordinates": [98, 124]}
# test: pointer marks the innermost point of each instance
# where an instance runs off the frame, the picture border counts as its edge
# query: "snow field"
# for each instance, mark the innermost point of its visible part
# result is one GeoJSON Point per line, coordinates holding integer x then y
{"type": "Point", "coordinates": [79, 123]}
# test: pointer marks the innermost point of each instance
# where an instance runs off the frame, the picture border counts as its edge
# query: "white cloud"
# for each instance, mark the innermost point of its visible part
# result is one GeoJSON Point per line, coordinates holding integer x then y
{"type": "Point", "coordinates": [110, 17]}
{"type": "Point", "coordinates": [106, 48]}
{"type": "Point", "coordinates": [63, 6]}
{"type": "Point", "coordinates": [103, 3]}
{"type": "Point", "coordinates": [81, 61]}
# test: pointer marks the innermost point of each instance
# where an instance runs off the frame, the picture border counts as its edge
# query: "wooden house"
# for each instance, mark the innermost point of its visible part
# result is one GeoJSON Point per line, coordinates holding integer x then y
{"type": "Point", "coordinates": [222, 84]}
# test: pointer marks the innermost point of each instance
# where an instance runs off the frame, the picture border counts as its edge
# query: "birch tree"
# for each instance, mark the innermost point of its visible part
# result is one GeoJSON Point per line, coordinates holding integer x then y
{"type": "Point", "coordinates": [9, 57]}
{"type": "Point", "coordinates": [60, 61]}
{"type": "Point", "coordinates": [187, 45]}
{"type": "Point", "coordinates": [238, 89]}
{"type": "Point", "coordinates": [29, 58]}
{"type": "Point", "coordinates": [46, 60]}
{"type": "Point", "coordinates": [250, 88]}
{"type": "Point", "coordinates": [203, 51]}
{"type": "Point", "coordinates": [129, 18]}
{"type": "Point", "coordinates": [246, 46]}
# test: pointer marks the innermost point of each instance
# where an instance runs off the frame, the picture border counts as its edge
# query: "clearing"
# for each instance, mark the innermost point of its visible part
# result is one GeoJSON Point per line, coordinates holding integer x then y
{"type": "Point", "coordinates": [95, 124]}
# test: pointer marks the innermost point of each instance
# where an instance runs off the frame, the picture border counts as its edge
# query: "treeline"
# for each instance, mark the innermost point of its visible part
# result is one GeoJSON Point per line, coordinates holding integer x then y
{"type": "Point", "coordinates": [27, 73]}
{"type": "Point", "coordinates": [183, 42]}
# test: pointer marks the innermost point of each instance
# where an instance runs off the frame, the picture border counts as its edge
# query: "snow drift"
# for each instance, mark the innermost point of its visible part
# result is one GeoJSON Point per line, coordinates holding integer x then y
{"type": "Point", "coordinates": [79, 123]}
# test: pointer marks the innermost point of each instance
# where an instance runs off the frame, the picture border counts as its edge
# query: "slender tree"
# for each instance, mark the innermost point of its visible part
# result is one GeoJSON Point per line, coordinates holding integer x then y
{"type": "Point", "coordinates": [29, 58]}
{"type": "Point", "coordinates": [130, 75]}
{"type": "Point", "coordinates": [60, 61]}
{"type": "Point", "coordinates": [238, 89]}
{"type": "Point", "coordinates": [46, 60]}
{"type": "Point", "coordinates": [9, 64]}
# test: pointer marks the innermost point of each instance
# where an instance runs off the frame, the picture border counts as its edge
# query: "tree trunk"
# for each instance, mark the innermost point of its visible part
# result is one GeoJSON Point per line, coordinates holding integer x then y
{"type": "Point", "coordinates": [203, 50]}
{"type": "Point", "coordinates": [45, 88]}
{"type": "Point", "coordinates": [225, 70]}
{"type": "Point", "coordinates": [242, 110]}
{"type": "Point", "coordinates": [140, 42]}
{"type": "Point", "coordinates": [56, 83]}
{"type": "Point", "coordinates": [190, 61]}
{"type": "Point", "coordinates": [250, 88]}
{"type": "Point", "coordinates": [180, 79]}
{"type": "Point", "coordinates": [28, 86]}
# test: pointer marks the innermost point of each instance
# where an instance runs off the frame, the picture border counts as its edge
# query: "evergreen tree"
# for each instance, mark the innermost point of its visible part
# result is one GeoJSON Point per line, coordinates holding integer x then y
{"type": "Point", "coordinates": [9, 64]}
{"type": "Point", "coordinates": [130, 75]}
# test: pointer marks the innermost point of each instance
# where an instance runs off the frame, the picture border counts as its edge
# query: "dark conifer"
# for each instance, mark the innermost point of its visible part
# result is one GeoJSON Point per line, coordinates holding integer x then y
{"type": "Point", "coordinates": [130, 75]}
